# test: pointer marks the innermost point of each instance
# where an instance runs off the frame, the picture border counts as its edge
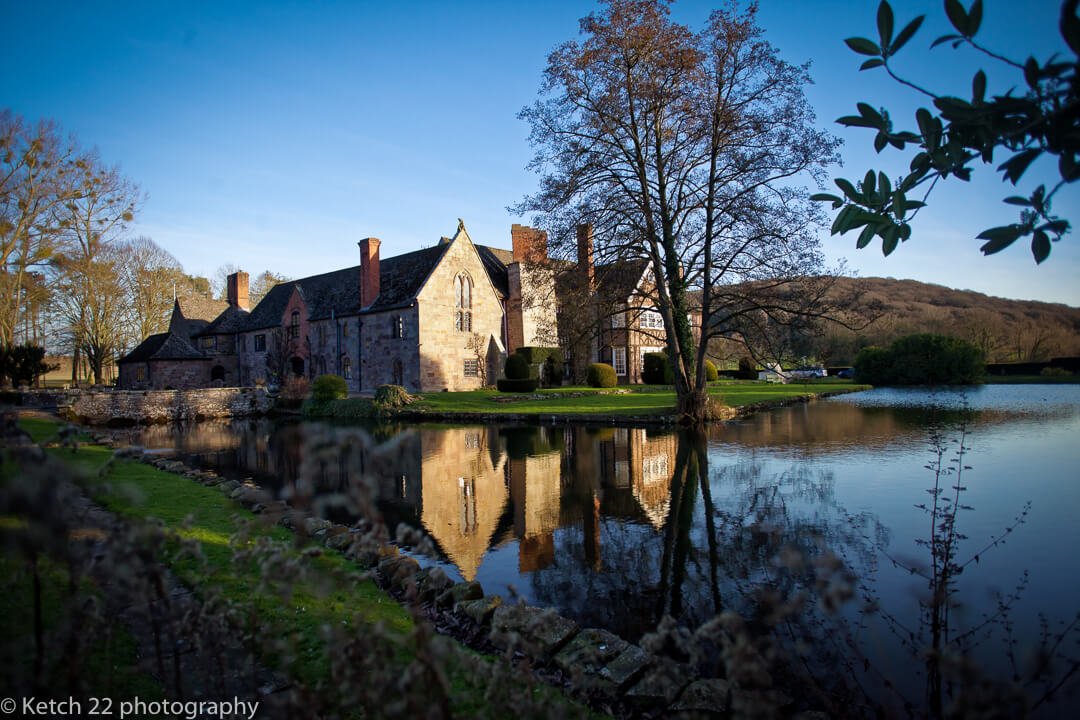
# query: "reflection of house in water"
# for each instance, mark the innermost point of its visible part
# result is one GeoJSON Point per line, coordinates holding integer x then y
{"type": "Point", "coordinates": [644, 465]}
{"type": "Point", "coordinates": [463, 492]}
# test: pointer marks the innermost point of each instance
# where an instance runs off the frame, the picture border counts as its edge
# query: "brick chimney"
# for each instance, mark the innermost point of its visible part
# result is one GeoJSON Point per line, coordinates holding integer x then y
{"type": "Point", "coordinates": [369, 271]}
{"type": "Point", "coordinates": [237, 290]}
{"type": "Point", "coordinates": [585, 252]}
{"type": "Point", "coordinates": [529, 244]}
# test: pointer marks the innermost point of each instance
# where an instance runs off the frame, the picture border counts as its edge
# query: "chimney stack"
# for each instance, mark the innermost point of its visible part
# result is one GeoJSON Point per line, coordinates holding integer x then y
{"type": "Point", "coordinates": [369, 271]}
{"type": "Point", "coordinates": [237, 290]}
{"type": "Point", "coordinates": [529, 244]}
{"type": "Point", "coordinates": [585, 253]}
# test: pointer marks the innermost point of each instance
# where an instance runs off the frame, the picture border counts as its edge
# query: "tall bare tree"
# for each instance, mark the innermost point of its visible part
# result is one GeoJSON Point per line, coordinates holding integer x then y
{"type": "Point", "coordinates": [94, 222]}
{"type": "Point", "coordinates": [686, 149]}
{"type": "Point", "coordinates": [36, 179]}
{"type": "Point", "coordinates": [262, 284]}
{"type": "Point", "coordinates": [151, 278]}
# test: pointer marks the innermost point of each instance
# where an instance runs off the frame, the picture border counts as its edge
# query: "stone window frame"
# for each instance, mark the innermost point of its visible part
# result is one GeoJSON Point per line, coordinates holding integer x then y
{"type": "Point", "coordinates": [260, 342]}
{"type": "Point", "coordinates": [208, 342]}
{"type": "Point", "coordinates": [140, 373]}
{"type": "Point", "coordinates": [346, 367]}
{"type": "Point", "coordinates": [463, 289]}
{"type": "Point", "coordinates": [397, 327]}
{"type": "Point", "coordinates": [471, 367]}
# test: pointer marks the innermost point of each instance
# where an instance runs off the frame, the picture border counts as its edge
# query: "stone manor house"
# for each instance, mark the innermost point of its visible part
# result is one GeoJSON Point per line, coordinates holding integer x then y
{"type": "Point", "coordinates": [440, 318]}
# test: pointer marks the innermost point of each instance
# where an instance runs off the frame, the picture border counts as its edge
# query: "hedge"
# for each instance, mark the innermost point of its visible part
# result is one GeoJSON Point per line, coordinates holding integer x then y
{"type": "Point", "coordinates": [922, 359]}
{"type": "Point", "coordinates": [655, 369]}
{"type": "Point", "coordinates": [601, 375]}
{"type": "Point", "coordinates": [711, 373]}
{"type": "Point", "coordinates": [517, 367]}
{"type": "Point", "coordinates": [516, 384]}
{"type": "Point", "coordinates": [539, 355]}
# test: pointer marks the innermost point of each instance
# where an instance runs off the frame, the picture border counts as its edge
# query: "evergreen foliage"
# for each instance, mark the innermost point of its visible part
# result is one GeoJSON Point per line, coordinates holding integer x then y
{"type": "Point", "coordinates": [923, 359]}
{"type": "Point", "coordinates": [601, 375]}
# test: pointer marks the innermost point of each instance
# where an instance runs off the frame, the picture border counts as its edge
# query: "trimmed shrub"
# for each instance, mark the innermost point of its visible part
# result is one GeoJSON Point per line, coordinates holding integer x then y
{"type": "Point", "coordinates": [329, 387]}
{"type": "Point", "coordinates": [540, 355]}
{"type": "Point", "coordinates": [710, 372]}
{"type": "Point", "coordinates": [516, 384]}
{"type": "Point", "coordinates": [655, 369]}
{"type": "Point", "coordinates": [922, 359]}
{"type": "Point", "coordinates": [392, 396]}
{"type": "Point", "coordinates": [601, 375]}
{"type": "Point", "coordinates": [517, 367]}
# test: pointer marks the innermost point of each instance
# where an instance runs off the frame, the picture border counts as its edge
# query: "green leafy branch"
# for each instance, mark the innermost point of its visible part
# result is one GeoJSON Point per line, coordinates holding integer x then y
{"type": "Point", "coordinates": [1041, 120]}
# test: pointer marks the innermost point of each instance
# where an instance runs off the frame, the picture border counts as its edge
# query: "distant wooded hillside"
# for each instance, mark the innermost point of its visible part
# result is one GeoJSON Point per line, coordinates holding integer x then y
{"type": "Point", "coordinates": [1005, 330]}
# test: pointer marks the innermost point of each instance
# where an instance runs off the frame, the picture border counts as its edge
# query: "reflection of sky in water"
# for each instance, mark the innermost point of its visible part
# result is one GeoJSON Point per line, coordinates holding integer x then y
{"type": "Point", "coordinates": [1022, 447]}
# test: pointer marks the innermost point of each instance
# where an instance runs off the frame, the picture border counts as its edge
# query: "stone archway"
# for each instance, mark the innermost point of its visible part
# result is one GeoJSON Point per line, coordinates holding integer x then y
{"type": "Point", "coordinates": [217, 375]}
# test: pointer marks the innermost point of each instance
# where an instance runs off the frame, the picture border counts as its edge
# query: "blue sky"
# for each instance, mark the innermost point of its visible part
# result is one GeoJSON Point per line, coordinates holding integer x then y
{"type": "Point", "coordinates": [276, 135]}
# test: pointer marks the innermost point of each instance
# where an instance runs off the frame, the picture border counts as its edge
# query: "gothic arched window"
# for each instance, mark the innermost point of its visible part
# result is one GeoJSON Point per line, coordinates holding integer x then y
{"type": "Point", "coordinates": [463, 303]}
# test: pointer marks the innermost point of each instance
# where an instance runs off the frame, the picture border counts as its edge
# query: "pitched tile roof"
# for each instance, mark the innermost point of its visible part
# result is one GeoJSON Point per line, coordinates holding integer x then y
{"type": "Point", "coordinates": [400, 279]}
{"type": "Point", "coordinates": [163, 346]}
{"type": "Point", "coordinates": [228, 322]}
{"type": "Point", "coordinates": [196, 312]}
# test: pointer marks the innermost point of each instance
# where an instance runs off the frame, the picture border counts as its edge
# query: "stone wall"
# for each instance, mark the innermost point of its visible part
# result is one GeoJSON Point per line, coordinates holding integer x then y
{"type": "Point", "coordinates": [444, 348]}
{"type": "Point", "coordinates": [102, 407]}
{"type": "Point", "coordinates": [382, 351]}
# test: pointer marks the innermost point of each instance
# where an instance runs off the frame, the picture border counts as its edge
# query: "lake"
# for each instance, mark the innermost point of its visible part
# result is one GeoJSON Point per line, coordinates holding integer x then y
{"type": "Point", "coordinates": [813, 506]}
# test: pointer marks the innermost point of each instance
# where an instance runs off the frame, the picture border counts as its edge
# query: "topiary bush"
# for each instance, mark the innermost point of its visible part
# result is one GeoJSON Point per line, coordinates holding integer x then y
{"type": "Point", "coordinates": [601, 375]}
{"type": "Point", "coordinates": [521, 385]}
{"type": "Point", "coordinates": [711, 373]}
{"type": "Point", "coordinates": [654, 369]}
{"type": "Point", "coordinates": [329, 387]}
{"type": "Point", "coordinates": [392, 396]}
{"type": "Point", "coordinates": [517, 367]}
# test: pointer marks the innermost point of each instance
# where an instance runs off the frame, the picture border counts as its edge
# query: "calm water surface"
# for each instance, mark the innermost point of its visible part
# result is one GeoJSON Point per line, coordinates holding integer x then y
{"type": "Point", "coordinates": [617, 527]}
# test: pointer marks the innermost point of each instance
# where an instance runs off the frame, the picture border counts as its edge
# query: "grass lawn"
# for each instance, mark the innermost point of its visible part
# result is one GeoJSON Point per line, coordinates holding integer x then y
{"type": "Point", "coordinates": [332, 595]}
{"type": "Point", "coordinates": [640, 400]}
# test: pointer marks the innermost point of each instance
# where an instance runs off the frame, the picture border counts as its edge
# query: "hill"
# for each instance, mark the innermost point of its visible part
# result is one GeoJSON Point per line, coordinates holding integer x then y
{"type": "Point", "coordinates": [1005, 330]}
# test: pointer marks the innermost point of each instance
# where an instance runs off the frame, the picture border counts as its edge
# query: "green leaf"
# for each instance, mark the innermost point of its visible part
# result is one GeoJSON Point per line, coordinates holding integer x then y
{"type": "Point", "coordinates": [943, 39]}
{"type": "Point", "coordinates": [906, 34]}
{"type": "Point", "coordinates": [843, 218]}
{"type": "Point", "coordinates": [880, 141]}
{"type": "Point", "coordinates": [974, 18]}
{"type": "Point", "coordinates": [871, 114]}
{"type": "Point", "coordinates": [865, 237]}
{"type": "Point", "coordinates": [855, 121]}
{"type": "Point", "coordinates": [1070, 30]}
{"type": "Point", "coordinates": [869, 182]}
{"type": "Point", "coordinates": [826, 197]}
{"type": "Point", "coordinates": [884, 186]}
{"type": "Point", "coordinates": [1015, 166]}
{"type": "Point", "coordinates": [1031, 72]}
{"type": "Point", "coordinates": [848, 188]}
{"type": "Point", "coordinates": [978, 87]}
{"type": "Point", "coordinates": [1058, 227]}
{"type": "Point", "coordinates": [899, 204]}
{"type": "Point", "coordinates": [1017, 200]}
{"type": "Point", "coordinates": [1040, 246]}
{"type": "Point", "coordinates": [863, 46]}
{"type": "Point", "coordinates": [1068, 167]}
{"type": "Point", "coordinates": [999, 238]}
{"type": "Point", "coordinates": [905, 230]}
{"type": "Point", "coordinates": [885, 23]}
{"type": "Point", "coordinates": [889, 240]}
{"type": "Point", "coordinates": [957, 15]}
{"type": "Point", "coordinates": [871, 63]}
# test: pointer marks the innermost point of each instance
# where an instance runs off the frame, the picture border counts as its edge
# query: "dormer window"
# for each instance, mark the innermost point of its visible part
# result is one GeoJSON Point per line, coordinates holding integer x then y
{"type": "Point", "coordinates": [463, 303]}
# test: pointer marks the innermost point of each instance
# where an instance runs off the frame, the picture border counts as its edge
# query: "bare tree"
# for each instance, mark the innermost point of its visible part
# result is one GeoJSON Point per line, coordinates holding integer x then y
{"type": "Point", "coordinates": [151, 279]}
{"type": "Point", "coordinates": [262, 284]}
{"type": "Point", "coordinates": [685, 149]}
{"type": "Point", "coordinates": [36, 170]}
{"type": "Point", "coordinates": [94, 219]}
